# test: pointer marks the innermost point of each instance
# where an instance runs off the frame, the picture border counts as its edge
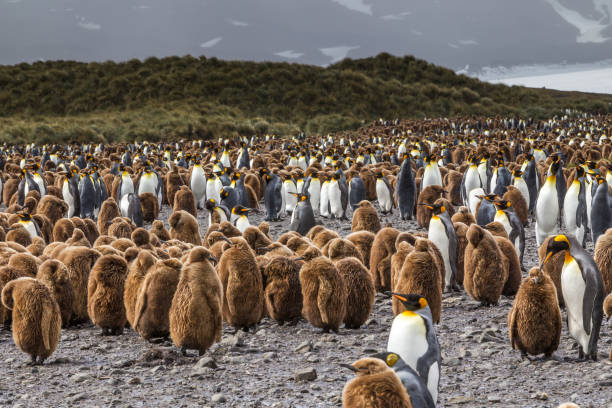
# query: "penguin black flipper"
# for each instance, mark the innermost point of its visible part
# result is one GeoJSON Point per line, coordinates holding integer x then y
{"type": "Point", "coordinates": [73, 187]}
{"type": "Point", "coordinates": [390, 191]}
{"type": "Point", "coordinates": [453, 247]}
{"type": "Point", "coordinates": [225, 210]}
{"type": "Point", "coordinates": [432, 355]}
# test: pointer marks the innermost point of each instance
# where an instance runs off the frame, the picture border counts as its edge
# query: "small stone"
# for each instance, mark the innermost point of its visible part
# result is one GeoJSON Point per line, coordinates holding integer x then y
{"type": "Point", "coordinates": [135, 381]}
{"type": "Point", "coordinates": [306, 374]}
{"type": "Point", "coordinates": [157, 369]}
{"type": "Point", "coordinates": [494, 398]}
{"type": "Point", "coordinates": [269, 355]}
{"type": "Point", "coordinates": [206, 362]}
{"type": "Point", "coordinates": [304, 347]}
{"type": "Point", "coordinates": [80, 377]}
{"type": "Point", "coordinates": [460, 399]}
{"type": "Point", "coordinates": [78, 397]}
{"type": "Point", "coordinates": [218, 398]}
{"type": "Point", "coordinates": [453, 362]}
{"type": "Point", "coordinates": [62, 360]}
{"type": "Point", "coordinates": [540, 396]}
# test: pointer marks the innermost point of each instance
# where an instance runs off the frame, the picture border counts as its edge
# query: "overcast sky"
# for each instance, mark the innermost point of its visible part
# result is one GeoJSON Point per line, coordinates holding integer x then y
{"type": "Point", "coordinates": [473, 36]}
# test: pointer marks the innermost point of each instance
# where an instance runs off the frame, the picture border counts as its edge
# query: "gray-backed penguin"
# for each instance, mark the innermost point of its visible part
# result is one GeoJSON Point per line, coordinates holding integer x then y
{"type": "Point", "coordinates": [229, 197]}
{"type": "Point", "coordinates": [302, 219]}
{"type": "Point", "coordinates": [486, 210]}
{"type": "Point", "coordinates": [512, 224]}
{"type": "Point", "coordinates": [583, 293]}
{"type": "Point", "coordinates": [133, 209]}
{"type": "Point", "coordinates": [532, 179]}
{"type": "Point", "coordinates": [413, 338]}
{"type": "Point", "coordinates": [547, 206]}
{"type": "Point", "coordinates": [412, 382]}
{"type": "Point", "coordinates": [289, 190]}
{"type": "Point", "coordinates": [272, 195]}
{"type": "Point", "coordinates": [26, 184]}
{"type": "Point", "coordinates": [405, 189]}
{"type": "Point", "coordinates": [87, 196]}
{"type": "Point", "coordinates": [384, 193]}
{"type": "Point", "coordinates": [442, 233]}
{"type": "Point", "coordinates": [338, 196]}
{"type": "Point", "coordinates": [357, 192]}
{"type": "Point", "coordinates": [219, 211]}
{"type": "Point", "coordinates": [575, 209]}
{"type": "Point", "coordinates": [601, 208]}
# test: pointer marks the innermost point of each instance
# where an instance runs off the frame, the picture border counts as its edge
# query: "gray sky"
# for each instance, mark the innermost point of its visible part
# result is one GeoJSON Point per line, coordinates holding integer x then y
{"type": "Point", "coordinates": [460, 34]}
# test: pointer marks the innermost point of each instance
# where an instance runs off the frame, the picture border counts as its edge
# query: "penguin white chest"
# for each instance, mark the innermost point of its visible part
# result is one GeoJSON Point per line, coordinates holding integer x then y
{"type": "Point", "coordinates": [68, 198]}
{"type": "Point", "coordinates": [335, 199]}
{"type": "Point", "coordinates": [408, 338]}
{"type": "Point", "coordinates": [573, 287]}
{"type": "Point", "coordinates": [148, 184]}
{"type": "Point", "coordinates": [384, 197]}
{"type": "Point", "coordinates": [127, 185]}
{"type": "Point", "coordinates": [519, 183]}
{"type": "Point", "coordinates": [431, 176]}
{"type": "Point", "coordinates": [290, 199]}
{"type": "Point", "coordinates": [570, 205]}
{"type": "Point", "coordinates": [242, 223]}
{"type": "Point", "coordinates": [198, 183]}
{"type": "Point", "coordinates": [324, 204]}
{"type": "Point", "coordinates": [547, 211]}
{"type": "Point", "coordinates": [314, 189]}
{"type": "Point", "coordinates": [437, 235]}
{"type": "Point", "coordinates": [473, 199]}
{"type": "Point", "coordinates": [502, 218]}
{"type": "Point", "coordinates": [30, 227]}
{"type": "Point", "coordinates": [472, 179]}
{"type": "Point", "coordinates": [124, 205]}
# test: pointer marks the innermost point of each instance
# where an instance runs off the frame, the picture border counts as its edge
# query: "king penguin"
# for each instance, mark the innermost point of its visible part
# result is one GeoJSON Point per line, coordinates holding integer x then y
{"type": "Point", "coordinates": [601, 208]}
{"type": "Point", "coordinates": [313, 187]}
{"type": "Point", "coordinates": [198, 184]}
{"type": "Point", "coordinates": [134, 209]}
{"type": "Point", "coordinates": [486, 210]}
{"type": "Point", "coordinates": [29, 224]}
{"type": "Point", "coordinates": [302, 218]}
{"type": "Point", "coordinates": [338, 196]}
{"type": "Point", "coordinates": [26, 184]}
{"type": "Point", "coordinates": [519, 182]}
{"type": "Point", "coordinates": [213, 208]}
{"type": "Point", "coordinates": [384, 193]}
{"type": "Point", "coordinates": [70, 193]}
{"type": "Point", "coordinates": [126, 184]}
{"type": "Point", "coordinates": [324, 200]}
{"type": "Point", "coordinates": [87, 196]}
{"type": "Point", "coordinates": [150, 182]}
{"type": "Point", "coordinates": [239, 218]}
{"type": "Point", "coordinates": [272, 194]}
{"type": "Point", "coordinates": [470, 181]}
{"type": "Point", "coordinates": [431, 174]}
{"type": "Point", "coordinates": [412, 382]}
{"type": "Point", "coordinates": [289, 190]}
{"type": "Point", "coordinates": [413, 338]}
{"type": "Point", "coordinates": [442, 233]}
{"type": "Point", "coordinates": [574, 208]}
{"type": "Point", "coordinates": [357, 192]}
{"type": "Point", "coordinates": [547, 206]}
{"type": "Point", "coordinates": [229, 197]}
{"type": "Point", "coordinates": [506, 216]}
{"type": "Point", "coordinates": [405, 189]}
{"type": "Point", "coordinates": [532, 179]}
{"type": "Point", "coordinates": [583, 293]}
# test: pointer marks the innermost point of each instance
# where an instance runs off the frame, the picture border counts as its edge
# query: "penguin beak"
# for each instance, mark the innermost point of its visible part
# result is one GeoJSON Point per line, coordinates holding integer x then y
{"type": "Point", "coordinates": [299, 258]}
{"type": "Point", "coordinates": [350, 367]}
{"type": "Point", "coordinates": [548, 255]}
{"type": "Point", "coordinates": [213, 259]}
{"type": "Point", "coordinates": [226, 239]}
{"type": "Point", "coordinates": [398, 296]}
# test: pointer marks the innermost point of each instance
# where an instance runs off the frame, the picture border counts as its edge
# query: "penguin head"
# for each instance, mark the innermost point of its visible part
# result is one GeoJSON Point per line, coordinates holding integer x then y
{"type": "Point", "coordinates": [380, 174]}
{"type": "Point", "coordinates": [236, 176]}
{"type": "Point", "coordinates": [224, 193]}
{"type": "Point", "coordinates": [502, 204]}
{"type": "Point", "coordinates": [579, 172]}
{"type": "Point", "coordinates": [488, 197]}
{"type": "Point", "coordinates": [24, 216]}
{"type": "Point", "coordinates": [411, 301]}
{"type": "Point", "coordinates": [240, 210]}
{"type": "Point", "coordinates": [391, 359]}
{"type": "Point", "coordinates": [263, 172]}
{"type": "Point", "coordinates": [557, 244]}
{"type": "Point", "coordinates": [517, 173]}
{"type": "Point", "coordinates": [367, 366]}
{"type": "Point", "coordinates": [211, 204]}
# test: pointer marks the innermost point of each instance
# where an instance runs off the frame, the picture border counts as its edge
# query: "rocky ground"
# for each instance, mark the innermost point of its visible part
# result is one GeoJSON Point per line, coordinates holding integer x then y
{"type": "Point", "coordinates": [299, 367]}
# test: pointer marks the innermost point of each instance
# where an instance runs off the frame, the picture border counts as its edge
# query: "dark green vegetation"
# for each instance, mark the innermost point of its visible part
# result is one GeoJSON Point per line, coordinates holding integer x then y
{"type": "Point", "coordinates": [205, 97]}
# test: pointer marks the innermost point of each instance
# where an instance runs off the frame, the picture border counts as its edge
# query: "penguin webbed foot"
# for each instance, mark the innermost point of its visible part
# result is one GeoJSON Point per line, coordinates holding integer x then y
{"type": "Point", "coordinates": [184, 351]}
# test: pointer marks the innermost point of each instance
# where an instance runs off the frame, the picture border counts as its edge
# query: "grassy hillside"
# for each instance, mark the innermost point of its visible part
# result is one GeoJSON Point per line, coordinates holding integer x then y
{"type": "Point", "coordinates": [203, 97]}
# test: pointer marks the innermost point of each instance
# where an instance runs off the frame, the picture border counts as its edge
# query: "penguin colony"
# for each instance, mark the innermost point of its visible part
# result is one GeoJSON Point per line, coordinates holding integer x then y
{"type": "Point", "coordinates": [74, 248]}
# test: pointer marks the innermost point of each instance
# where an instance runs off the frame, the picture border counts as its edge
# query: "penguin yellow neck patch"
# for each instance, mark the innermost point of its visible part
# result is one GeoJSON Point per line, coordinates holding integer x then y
{"type": "Point", "coordinates": [408, 313]}
{"type": "Point", "coordinates": [568, 258]}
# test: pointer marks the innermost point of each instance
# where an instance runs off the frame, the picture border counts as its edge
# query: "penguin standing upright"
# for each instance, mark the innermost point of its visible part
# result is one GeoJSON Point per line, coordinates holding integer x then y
{"type": "Point", "coordinates": [220, 212]}
{"type": "Point", "coordinates": [70, 194]}
{"type": "Point", "coordinates": [583, 293]}
{"type": "Point", "coordinates": [574, 208]}
{"type": "Point", "coordinates": [502, 180]}
{"type": "Point", "coordinates": [486, 210]}
{"type": "Point", "coordinates": [238, 185]}
{"type": "Point", "coordinates": [337, 192]}
{"type": "Point", "coordinates": [150, 182]}
{"type": "Point", "coordinates": [547, 206]}
{"type": "Point", "coordinates": [302, 219]}
{"type": "Point", "coordinates": [357, 192]}
{"type": "Point", "coordinates": [485, 173]}
{"type": "Point", "coordinates": [431, 175]}
{"type": "Point", "coordinates": [289, 190]}
{"type": "Point", "coordinates": [87, 196]}
{"type": "Point", "coordinates": [519, 182]}
{"type": "Point", "coordinates": [324, 199]}
{"type": "Point", "coordinates": [313, 188]}
{"type": "Point", "coordinates": [243, 157]}
{"type": "Point", "coordinates": [506, 216]}
{"type": "Point", "coordinates": [229, 197]}
{"type": "Point", "coordinates": [198, 183]}
{"type": "Point", "coordinates": [126, 184]}
{"type": "Point", "coordinates": [384, 193]}
{"type": "Point", "coordinates": [413, 338]}
{"type": "Point", "coordinates": [405, 189]}
{"type": "Point", "coordinates": [442, 233]}
{"type": "Point", "coordinates": [601, 208]}
{"type": "Point", "coordinates": [272, 195]}
{"type": "Point", "coordinates": [26, 184]}
{"type": "Point", "coordinates": [39, 180]}
{"type": "Point", "coordinates": [213, 187]}
{"type": "Point", "coordinates": [532, 179]}
{"type": "Point", "coordinates": [134, 210]}
{"type": "Point", "coordinates": [29, 224]}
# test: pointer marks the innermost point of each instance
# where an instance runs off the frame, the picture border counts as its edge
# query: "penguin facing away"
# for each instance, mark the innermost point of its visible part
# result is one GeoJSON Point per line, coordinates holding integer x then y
{"type": "Point", "coordinates": [302, 218]}
{"type": "Point", "coordinates": [574, 208]}
{"type": "Point", "coordinates": [413, 338]}
{"type": "Point", "coordinates": [405, 189]}
{"type": "Point", "coordinates": [442, 233]}
{"type": "Point", "coordinates": [583, 293]}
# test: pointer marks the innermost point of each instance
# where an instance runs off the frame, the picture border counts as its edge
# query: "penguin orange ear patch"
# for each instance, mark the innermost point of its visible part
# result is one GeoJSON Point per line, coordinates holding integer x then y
{"type": "Point", "coordinates": [392, 359]}
{"type": "Point", "coordinates": [423, 302]}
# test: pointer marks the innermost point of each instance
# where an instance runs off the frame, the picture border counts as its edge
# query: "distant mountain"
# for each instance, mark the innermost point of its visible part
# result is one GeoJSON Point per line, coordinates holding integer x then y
{"type": "Point", "coordinates": [465, 35]}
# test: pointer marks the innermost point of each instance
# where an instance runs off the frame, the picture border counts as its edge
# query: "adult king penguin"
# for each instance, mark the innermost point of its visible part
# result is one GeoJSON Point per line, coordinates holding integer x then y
{"type": "Point", "coordinates": [126, 184]}
{"type": "Point", "coordinates": [220, 211]}
{"type": "Point", "coordinates": [70, 193]}
{"type": "Point", "coordinates": [574, 208]}
{"type": "Point", "coordinates": [405, 189]}
{"type": "Point", "coordinates": [313, 187]}
{"type": "Point", "coordinates": [601, 208]}
{"type": "Point", "coordinates": [431, 174]}
{"type": "Point", "coordinates": [302, 219]}
{"type": "Point", "coordinates": [547, 206]}
{"type": "Point", "coordinates": [198, 184]}
{"type": "Point", "coordinates": [470, 181]}
{"type": "Point", "coordinates": [357, 192]}
{"type": "Point", "coordinates": [583, 293]}
{"type": "Point", "coordinates": [272, 194]}
{"type": "Point", "coordinates": [384, 193]}
{"type": "Point", "coordinates": [442, 233]}
{"type": "Point", "coordinates": [413, 338]}
{"type": "Point", "coordinates": [240, 218]}
{"type": "Point", "coordinates": [512, 224]}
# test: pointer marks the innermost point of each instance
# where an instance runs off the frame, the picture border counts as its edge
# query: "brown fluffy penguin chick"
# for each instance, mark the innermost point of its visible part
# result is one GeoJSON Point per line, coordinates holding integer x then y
{"type": "Point", "coordinates": [483, 279]}
{"type": "Point", "coordinates": [184, 227]}
{"type": "Point", "coordinates": [54, 275]}
{"type": "Point", "coordinates": [108, 212]}
{"type": "Point", "coordinates": [365, 218]}
{"type": "Point", "coordinates": [150, 206]}
{"type": "Point", "coordinates": [53, 207]}
{"type": "Point", "coordinates": [36, 317]}
{"type": "Point", "coordinates": [521, 207]}
{"type": "Point", "coordinates": [603, 258]}
{"type": "Point", "coordinates": [463, 215]}
{"type": "Point", "coordinates": [553, 267]}
{"type": "Point", "coordinates": [151, 317]}
{"type": "Point", "coordinates": [283, 294]}
{"type": "Point", "coordinates": [286, 236]}
{"type": "Point", "coordinates": [496, 229]}
{"type": "Point", "coordinates": [229, 230]}
{"type": "Point", "coordinates": [534, 322]}
{"type": "Point", "coordinates": [363, 241]}
{"type": "Point", "coordinates": [403, 248]}
{"type": "Point", "coordinates": [607, 306]}
{"type": "Point", "coordinates": [105, 294]}
{"type": "Point", "coordinates": [137, 271]}
{"type": "Point", "coordinates": [243, 303]}
{"type": "Point", "coordinates": [514, 266]}
{"type": "Point", "coordinates": [461, 231]}
{"type": "Point", "coordinates": [428, 196]}
{"type": "Point", "coordinates": [195, 312]}
{"type": "Point", "coordinates": [120, 228]}
{"type": "Point", "coordinates": [37, 246]}
{"type": "Point", "coordinates": [360, 291]}
{"type": "Point", "coordinates": [141, 238]}
{"type": "Point", "coordinates": [452, 187]}
{"type": "Point", "coordinates": [339, 248]}
{"type": "Point", "coordinates": [256, 238]}
{"type": "Point", "coordinates": [383, 248]}
{"type": "Point", "coordinates": [158, 229]}
{"type": "Point", "coordinates": [376, 386]}
{"type": "Point", "coordinates": [419, 274]}
{"type": "Point", "coordinates": [24, 262]}
{"type": "Point", "coordinates": [323, 237]}
{"type": "Point", "coordinates": [19, 234]}
{"type": "Point", "coordinates": [174, 181]}
{"type": "Point", "coordinates": [323, 293]}
{"type": "Point", "coordinates": [63, 229]}
{"type": "Point", "coordinates": [184, 200]}
{"type": "Point", "coordinates": [78, 238]}
{"type": "Point", "coordinates": [90, 229]}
